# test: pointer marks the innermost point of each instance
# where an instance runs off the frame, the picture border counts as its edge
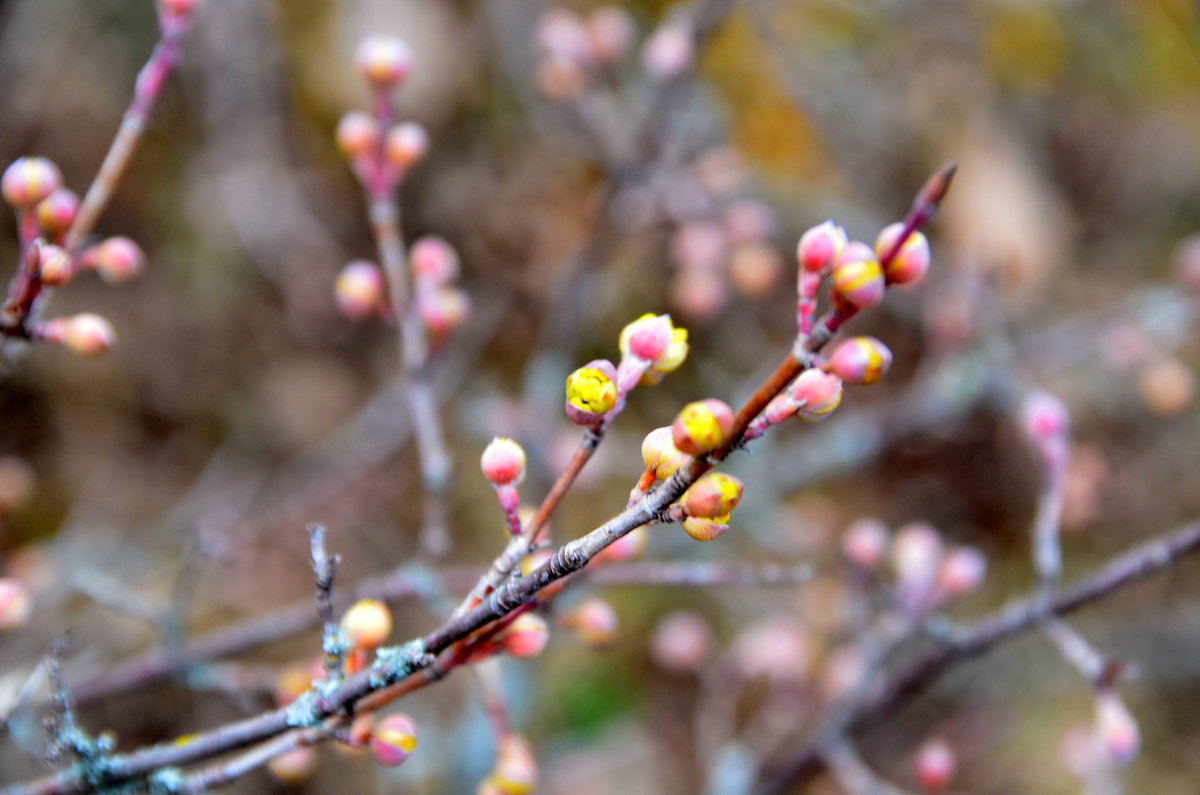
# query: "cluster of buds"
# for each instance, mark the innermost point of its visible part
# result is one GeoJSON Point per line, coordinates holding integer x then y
{"type": "Point", "coordinates": [927, 573]}
{"type": "Point", "coordinates": [574, 50]}
{"type": "Point", "coordinates": [503, 463]}
{"type": "Point", "coordinates": [516, 771]}
{"type": "Point", "coordinates": [442, 307]}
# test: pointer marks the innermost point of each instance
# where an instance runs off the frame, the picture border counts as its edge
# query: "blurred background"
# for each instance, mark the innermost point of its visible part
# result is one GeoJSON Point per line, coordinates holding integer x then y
{"type": "Point", "coordinates": [162, 491]}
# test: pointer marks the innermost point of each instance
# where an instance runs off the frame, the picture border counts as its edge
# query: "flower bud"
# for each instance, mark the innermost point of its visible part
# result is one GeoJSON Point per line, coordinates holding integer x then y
{"type": "Point", "coordinates": [595, 621]}
{"type": "Point", "coordinates": [29, 180]}
{"type": "Point", "coordinates": [17, 483]}
{"type": "Point", "coordinates": [360, 290]}
{"type": "Point", "coordinates": [87, 334]}
{"type": "Point", "coordinates": [178, 8]}
{"type": "Point", "coordinates": [865, 542]}
{"type": "Point", "coordinates": [562, 35]}
{"type": "Point", "coordinates": [860, 361]}
{"type": "Point", "coordinates": [503, 462]}
{"type": "Point", "coordinates": [819, 246]}
{"type": "Point", "coordinates": [383, 61]}
{"type": "Point", "coordinates": [668, 52]}
{"type": "Point", "coordinates": [857, 276]}
{"type": "Point", "coordinates": [291, 683]}
{"type": "Point", "coordinates": [559, 79]}
{"type": "Point", "coordinates": [1045, 417]}
{"type": "Point", "coordinates": [916, 559]}
{"type": "Point", "coordinates": [715, 494]}
{"type": "Point", "coordinates": [935, 766]}
{"type": "Point", "coordinates": [702, 427]}
{"type": "Point", "coordinates": [817, 394]}
{"type": "Point", "coordinates": [910, 262]}
{"type": "Point", "coordinates": [116, 259]}
{"type": "Point", "coordinates": [15, 604]}
{"type": "Point", "coordinates": [56, 212]}
{"type": "Point", "coordinates": [706, 529]}
{"type": "Point", "coordinates": [778, 649]}
{"type": "Point", "coordinates": [393, 739]}
{"type": "Point", "coordinates": [357, 134]}
{"type": "Point", "coordinates": [647, 338]}
{"type": "Point", "coordinates": [367, 624]}
{"type": "Point", "coordinates": [526, 636]}
{"type": "Point", "coordinates": [294, 766]}
{"type": "Point", "coordinates": [628, 547]}
{"type": "Point", "coordinates": [56, 266]}
{"type": "Point", "coordinates": [1116, 729]}
{"type": "Point", "coordinates": [754, 269]}
{"type": "Point", "coordinates": [516, 771]}
{"type": "Point", "coordinates": [1167, 386]}
{"type": "Point", "coordinates": [434, 260]}
{"type": "Point", "coordinates": [591, 392]}
{"type": "Point", "coordinates": [611, 31]}
{"type": "Point", "coordinates": [675, 354]}
{"type": "Point", "coordinates": [443, 310]}
{"type": "Point", "coordinates": [660, 453]}
{"type": "Point", "coordinates": [682, 641]}
{"type": "Point", "coordinates": [406, 145]}
{"type": "Point", "coordinates": [961, 571]}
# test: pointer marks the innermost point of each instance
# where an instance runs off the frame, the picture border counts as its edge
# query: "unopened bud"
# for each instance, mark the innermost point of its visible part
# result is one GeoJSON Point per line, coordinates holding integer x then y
{"type": "Point", "coordinates": [406, 145]}
{"type": "Point", "coordinates": [865, 542]}
{"type": "Point", "coordinates": [911, 261]}
{"type": "Point", "coordinates": [706, 529]}
{"type": "Point", "coordinates": [935, 766]}
{"type": "Point", "coordinates": [1116, 728]}
{"type": "Point", "coordinates": [443, 310]}
{"type": "Point", "coordinates": [393, 739]}
{"type": "Point", "coordinates": [360, 290]}
{"type": "Point", "coordinates": [860, 361]}
{"type": "Point", "coordinates": [591, 392]}
{"type": "Point", "coordinates": [56, 212]}
{"type": "Point", "coordinates": [595, 621]}
{"type": "Point", "coordinates": [668, 53]}
{"type": "Point", "coordinates": [1168, 386]}
{"type": "Point", "coordinates": [647, 338]}
{"type": "Point", "coordinates": [819, 246]}
{"type": "Point", "coordinates": [357, 134]}
{"type": "Point", "coordinates": [778, 649]}
{"type": "Point", "coordinates": [702, 427]}
{"type": "Point", "coordinates": [564, 36]}
{"type": "Point", "coordinates": [294, 766]}
{"type": "Point", "coordinates": [291, 683]}
{"type": "Point", "coordinates": [559, 79]}
{"type": "Point", "coordinates": [682, 641]}
{"type": "Point", "coordinates": [526, 636]}
{"type": "Point", "coordinates": [628, 547]}
{"type": "Point", "coordinates": [857, 276]}
{"type": "Point", "coordinates": [87, 334]}
{"type": "Point", "coordinates": [611, 31]}
{"type": "Point", "coordinates": [916, 559]}
{"type": "Point", "coordinates": [383, 61]}
{"type": "Point", "coordinates": [17, 483]}
{"type": "Point", "coordinates": [816, 393]}
{"type": "Point", "coordinates": [961, 572]}
{"type": "Point", "coordinates": [516, 771]}
{"type": "Point", "coordinates": [116, 259]}
{"type": "Point", "coordinates": [56, 266]}
{"type": "Point", "coordinates": [503, 462]}
{"type": "Point", "coordinates": [367, 624]}
{"type": "Point", "coordinates": [1045, 417]}
{"type": "Point", "coordinates": [29, 180]}
{"type": "Point", "coordinates": [715, 494]}
{"type": "Point", "coordinates": [179, 8]}
{"type": "Point", "coordinates": [434, 260]}
{"type": "Point", "coordinates": [15, 604]}
{"type": "Point", "coordinates": [754, 269]}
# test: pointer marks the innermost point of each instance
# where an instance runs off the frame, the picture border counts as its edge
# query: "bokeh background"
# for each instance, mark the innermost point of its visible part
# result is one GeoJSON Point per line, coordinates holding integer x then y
{"type": "Point", "coordinates": [174, 477]}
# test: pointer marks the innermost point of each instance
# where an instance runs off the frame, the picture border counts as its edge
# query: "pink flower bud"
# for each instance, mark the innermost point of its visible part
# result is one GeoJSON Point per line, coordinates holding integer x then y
{"type": "Point", "coordinates": [116, 259]}
{"type": "Point", "coordinates": [29, 180]}
{"type": "Point", "coordinates": [819, 246]}
{"type": "Point", "coordinates": [700, 245]}
{"type": "Point", "coordinates": [595, 621]}
{"type": "Point", "coordinates": [406, 145]}
{"type": "Point", "coordinates": [56, 212]}
{"type": "Point", "coordinates": [611, 31]}
{"type": "Point", "coordinates": [647, 338]}
{"type": "Point", "coordinates": [857, 276]}
{"type": "Point", "coordinates": [755, 268]}
{"type": "Point", "coordinates": [860, 361]}
{"type": "Point", "coordinates": [393, 740]}
{"type": "Point", "coordinates": [503, 462]}
{"type": "Point", "coordinates": [87, 334]}
{"type": "Point", "coordinates": [911, 261]}
{"type": "Point", "coordinates": [294, 766]}
{"type": "Point", "coordinates": [682, 641]}
{"type": "Point", "coordinates": [702, 427]}
{"type": "Point", "coordinates": [843, 672]}
{"type": "Point", "coordinates": [1045, 417]}
{"type": "Point", "coordinates": [443, 310]}
{"type": "Point", "coordinates": [1116, 729]}
{"type": "Point", "coordinates": [817, 394]}
{"type": "Point", "coordinates": [935, 766]}
{"type": "Point", "coordinates": [360, 290]}
{"type": "Point", "coordinates": [961, 572]}
{"type": "Point", "coordinates": [564, 36]}
{"type": "Point", "coordinates": [865, 542]}
{"type": "Point", "coordinates": [367, 624]}
{"type": "Point", "coordinates": [526, 636]}
{"type": "Point", "coordinates": [698, 293]}
{"type": "Point", "coordinates": [706, 529]}
{"type": "Point", "coordinates": [668, 52]}
{"type": "Point", "coordinates": [56, 266]}
{"type": "Point", "coordinates": [916, 559]}
{"type": "Point", "coordinates": [777, 649]}
{"type": "Point", "coordinates": [628, 547]}
{"type": "Point", "coordinates": [15, 604]}
{"type": "Point", "coordinates": [383, 61]}
{"type": "Point", "coordinates": [177, 8]}
{"type": "Point", "coordinates": [749, 221]}
{"type": "Point", "coordinates": [516, 771]}
{"type": "Point", "coordinates": [660, 454]}
{"type": "Point", "coordinates": [715, 494]}
{"type": "Point", "coordinates": [434, 260]}
{"type": "Point", "coordinates": [559, 79]}
{"type": "Point", "coordinates": [357, 134]}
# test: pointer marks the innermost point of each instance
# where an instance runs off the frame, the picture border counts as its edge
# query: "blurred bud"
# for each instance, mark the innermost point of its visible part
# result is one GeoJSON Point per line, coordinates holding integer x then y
{"type": "Point", "coordinates": [406, 145]}
{"type": "Point", "coordinates": [843, 672]}
{"type": "Point", "coordinates": [706, 529]}
{"type": "Point", "coordinates": [564, 36]}
{"type": "Point", "coordinates": [682, 641]}
{"type": "Point", "coordinates": [559, 79]}
{"type": "Point", "coordinates": [668, 52]}
{"type": "Point", "coordinates": [647, 338]}
{"type": "Point", "coordinates": [702, 426]}
{"type": "Point", "coordinates": [777, 649]}
{"type": "Point", "coordinates": [860, 361]}
{"type": "Point", "coordinates": [961, 571]}
{"type": "Point", "coordinates": [526, 636]}
{"type": "Point", "coordinates": [911, 261]}
{"type": "Point", "coordinates": [17, 483]}
{"type": "Point", "coordinates": [1116, 729]}
{"type": "Point", "coordinates": [722, 171]}
{"type": "Point", "coordinates": [516, 771]}
{"type": "Point", "coordinates": [294, 766]}
{"type": "Point", "coordinates": [819, 246]}
{"type": "Point", "coordinates": [698, 293]}
{"type": "Point", "coordinates": [116, 259]}
{"type": "Point", "coordinates": [591, 392]}
{"type": "Point", "coordinates": [749, 221]}
{"type": "Point", "coordinates": [715, 494]}
{"type": "Point", "coordinates": [367, 624]}
{"type": "Point", "coordinates": [56, 212]}
{"type": "Point", "coordinates": [393, 739]}
{"type": "Point", "coordinates": [357, 134]}
{"type": "Point", "coordinates": [434, 260]}
{"type": "Point", "coordinates": [291, 682]}
{"type": "Point", "coordinates": [360, 290]}
{"type": "Point", "coordinates": [817, 394]}
{"type": "Point", "coordinates": [383, 61]}
{"type": "Point", "coordinates": [15, 604]}
{"type": "Point", "coordinates": [628, 547]}
{"type": "Point", "coordinates": [29, 180]}
{"type": "Point", "coordinates": [612, 32]}
{"type": "Point", "coordinates": [358, 735]}
{"type": "Point", "coordinates": [916, 559]}
{"type": "Point", "coordinates": [503, 462]}
{"type": "Point", "coordinates": [87, 334]}
{"type": "Point", "coordinates": [935, 766]}
{"type": "Point", "coordinates": [754, 269]}
{"type": "Point", "coordinates": [56, 266]}
{"type": "Point", "coordinates": [1167, 386]}
{"type": "Point", "coordinates": [595, 621]}
{"type": "Point", "coordinates": [865, 542]}
{"type": "Point", "coordinates": [1045, 417]}
{"type": "Point", "coordinates": [857, 276]}
{"type": "Point", "coordinates": [443, 310]}
{"type": "Point", "coordinates": [1186, 260]}
{"type": "Point", "coordinates": [660, 454]}
{"type": "Point", "coordinates": [178, 8]}
{"type": "Point", "coordinates": [699, 245]}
